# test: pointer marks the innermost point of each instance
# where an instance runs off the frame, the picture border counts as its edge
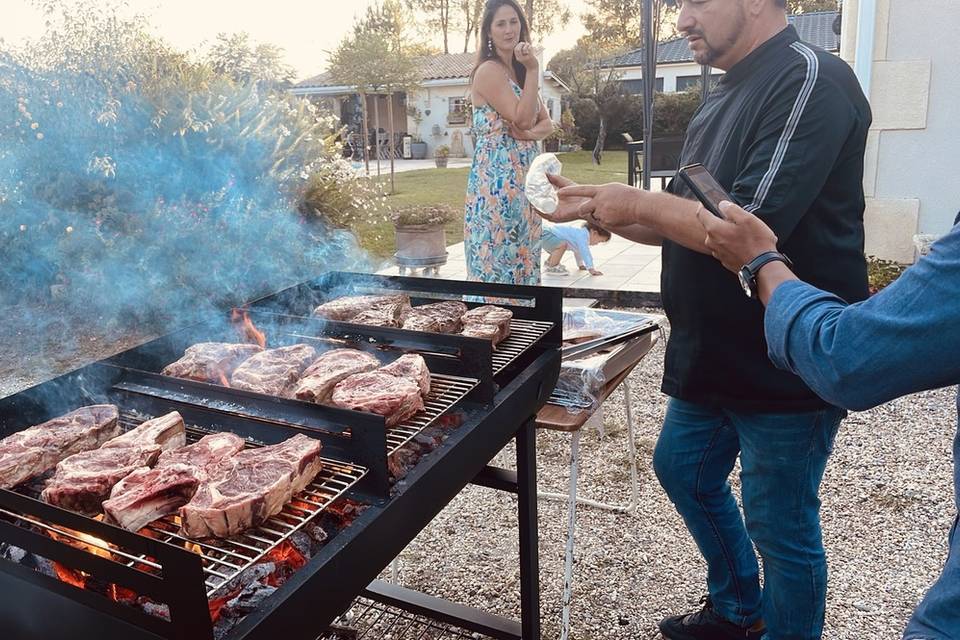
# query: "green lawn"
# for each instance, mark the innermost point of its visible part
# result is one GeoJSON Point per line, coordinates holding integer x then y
{"type": "Point", "coordinates": [449, 186]}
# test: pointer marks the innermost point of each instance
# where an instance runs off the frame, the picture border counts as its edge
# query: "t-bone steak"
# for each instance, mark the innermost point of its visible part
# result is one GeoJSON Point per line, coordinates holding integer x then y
{"type": "Point", "coordinates": [318, 380]}
{"type": "Point", "coordinates": [83, 481]}
{"type": "Point", "coordinates": [148, 494]}
{"type": "Point", "coordinates": [347, 307]}
{"type": "Point", "coordinates": [393, 397]}
{"type": "Point", "coordinates": [438, 317]}
{"type": "Point", "coordinates": [210, 361]}
{"type": "Point", "coordinates": [275, 371]}
{"type": "Point", "coordinates": [37, 450]}
{"type": "Point", "coordinates": [248, 488]}
{"type": "Point", "coordinates": [413, 367]}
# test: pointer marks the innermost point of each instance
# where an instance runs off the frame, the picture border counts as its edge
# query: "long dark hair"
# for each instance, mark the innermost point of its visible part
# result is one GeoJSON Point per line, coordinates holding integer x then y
{"type": "Point", "coordinates": [485, 52]}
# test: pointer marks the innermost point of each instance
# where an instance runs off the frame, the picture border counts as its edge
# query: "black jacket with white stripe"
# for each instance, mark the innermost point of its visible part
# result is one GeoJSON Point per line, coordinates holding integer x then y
{"type": "Point", "coordinates": [784, 131]}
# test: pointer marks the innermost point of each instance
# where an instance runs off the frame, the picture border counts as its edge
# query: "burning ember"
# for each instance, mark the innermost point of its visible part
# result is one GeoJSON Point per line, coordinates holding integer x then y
{"type": "Point", "coordinates": [245, 327]}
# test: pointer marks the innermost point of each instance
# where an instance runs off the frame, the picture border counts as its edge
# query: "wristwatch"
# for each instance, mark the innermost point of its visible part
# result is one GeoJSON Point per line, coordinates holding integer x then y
{"type": "Point", "coordinates": [748, 273]}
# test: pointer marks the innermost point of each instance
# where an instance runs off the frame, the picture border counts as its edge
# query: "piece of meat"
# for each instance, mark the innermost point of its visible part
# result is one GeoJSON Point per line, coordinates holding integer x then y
{"type": "Point", "coordinates": [485, 331]}
{"type": "Point", "coordinates": [382, 316]}
{"type": "Point", "coordinates": [317, 382]}
{"type": "Point", "coordinates": [248, 488]}
{"type": "Point", "coordinates": [438, 317]}
{"type": "Point", "coordinates": [395, 398]}
{"type": "Point", "coordinates": [274, 371]}
{"type": "Point", "coordinates": [37, 450]}
{"type": "Point", "coordinates": [168, 431]}
{"type": "Point", "coordinates": [487, 315]}
{"type": "Point", "coordinates": [413, 367]}
{"type": "Point", "coordinates": [148, 494]}
{"type": "Point", "coordinates": [346, 307]}
{"type": "Point", "coordinates": [210, 361]}
{"type": "Point", "coordinates": [84, 480]}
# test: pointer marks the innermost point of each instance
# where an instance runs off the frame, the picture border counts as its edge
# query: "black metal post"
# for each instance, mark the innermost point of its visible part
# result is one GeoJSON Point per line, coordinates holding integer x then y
{"type": "Point", "coordinates": [529, 547]}
{"type": "Point", "coordinates": [649, 82]}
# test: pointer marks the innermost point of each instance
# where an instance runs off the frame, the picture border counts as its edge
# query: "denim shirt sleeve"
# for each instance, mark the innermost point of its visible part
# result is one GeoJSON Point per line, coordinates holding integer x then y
{"type": "Point", "coordinates": [904, 339]}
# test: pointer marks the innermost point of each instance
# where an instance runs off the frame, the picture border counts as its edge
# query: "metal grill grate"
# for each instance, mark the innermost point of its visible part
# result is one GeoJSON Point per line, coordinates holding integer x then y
{"type": "Point", "coordinates": [224, 560]}
{"type": "Point", "coordinates": [523, 335]}
{"type": "Point", "coordinates": [445, 391]}
{"type": "Point", "coordinates": [370, 620]}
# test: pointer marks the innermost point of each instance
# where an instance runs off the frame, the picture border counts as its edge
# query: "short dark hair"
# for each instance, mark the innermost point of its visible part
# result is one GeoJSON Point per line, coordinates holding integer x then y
{"type": "Point", "coordinates": [603, 233]}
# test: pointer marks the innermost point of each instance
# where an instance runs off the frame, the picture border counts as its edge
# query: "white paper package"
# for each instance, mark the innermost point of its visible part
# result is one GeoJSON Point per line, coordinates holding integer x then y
{"type": "Point", "coordinates": [540, 193]}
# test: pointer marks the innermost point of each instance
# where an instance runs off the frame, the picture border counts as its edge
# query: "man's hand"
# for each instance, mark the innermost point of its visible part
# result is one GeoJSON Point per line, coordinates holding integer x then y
{"type": "Point", "coordinates": [608, 205]}
{"type": "Point", "coordinates": [566, 210]}
{"type": "Point", "coordinates": [738, 239]}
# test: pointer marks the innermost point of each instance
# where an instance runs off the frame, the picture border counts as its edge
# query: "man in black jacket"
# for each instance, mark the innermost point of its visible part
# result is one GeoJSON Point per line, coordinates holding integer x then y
{"type": "Point", "coordinates": [784, 133]}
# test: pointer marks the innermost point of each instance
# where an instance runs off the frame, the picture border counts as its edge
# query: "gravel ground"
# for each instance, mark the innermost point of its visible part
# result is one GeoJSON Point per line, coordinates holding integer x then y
{"type": "Point", "coordinates": [887, 508]}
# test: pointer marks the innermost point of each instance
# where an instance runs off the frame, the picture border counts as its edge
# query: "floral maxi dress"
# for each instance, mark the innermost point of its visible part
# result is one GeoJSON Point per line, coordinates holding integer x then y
{"type": "Point", "coordinates": [501, 233]}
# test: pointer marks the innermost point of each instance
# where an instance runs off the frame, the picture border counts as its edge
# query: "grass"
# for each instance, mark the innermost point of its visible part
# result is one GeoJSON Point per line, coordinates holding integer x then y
{"type": "Point", "coordinates": [449, 186]}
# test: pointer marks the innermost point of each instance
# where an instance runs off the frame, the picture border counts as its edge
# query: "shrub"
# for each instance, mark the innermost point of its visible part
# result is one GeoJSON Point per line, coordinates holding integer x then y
{"type": "Point", "coordinates": [880, 272]}
{"type": "Point", "coordinates": [433, 215]}
{"type": "Point", "coordinates": [442, 151]}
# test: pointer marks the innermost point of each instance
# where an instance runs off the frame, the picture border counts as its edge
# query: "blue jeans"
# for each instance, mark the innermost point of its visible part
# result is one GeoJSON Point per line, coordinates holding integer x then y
{"type": "Point", "coordinates": [938, 616]}
{"type": "Point", "coordinates": [783, 457]}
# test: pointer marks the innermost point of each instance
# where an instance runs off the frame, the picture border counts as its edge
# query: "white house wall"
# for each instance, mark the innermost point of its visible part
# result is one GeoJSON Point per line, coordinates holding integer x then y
{"type": "Point", "coordinates": [669, 73]}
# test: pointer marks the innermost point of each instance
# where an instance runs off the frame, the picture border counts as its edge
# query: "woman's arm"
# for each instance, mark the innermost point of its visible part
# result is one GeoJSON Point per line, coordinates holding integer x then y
{"type": "Point", "coordinates": [492, 85]}
{"type": "Point", "coordinates": [541, 130]}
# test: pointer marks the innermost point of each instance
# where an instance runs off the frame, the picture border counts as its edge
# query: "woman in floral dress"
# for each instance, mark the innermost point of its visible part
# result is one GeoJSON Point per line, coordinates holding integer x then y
{"type": "Point", "coordinates": [501, 232]}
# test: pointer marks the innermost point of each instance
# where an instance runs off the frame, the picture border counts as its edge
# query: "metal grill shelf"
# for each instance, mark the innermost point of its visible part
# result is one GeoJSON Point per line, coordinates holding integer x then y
{"type": "Point", "coordinates": [523, 335]}
{"type": "Point", "coordinates": [370, 620]}
{"type": "Point", "coordinates": [445, 392]}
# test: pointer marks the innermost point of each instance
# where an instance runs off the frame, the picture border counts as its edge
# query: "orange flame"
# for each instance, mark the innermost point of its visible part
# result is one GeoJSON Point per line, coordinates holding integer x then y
{"type": "Point", "coordinates": [245, 327]}
{"type": "Point", "coordinates": [74, 578]}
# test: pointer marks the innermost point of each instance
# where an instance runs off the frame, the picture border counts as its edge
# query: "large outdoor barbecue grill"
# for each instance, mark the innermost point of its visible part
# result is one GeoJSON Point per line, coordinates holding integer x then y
{"type": "Point", "coordinates": [67, 575]}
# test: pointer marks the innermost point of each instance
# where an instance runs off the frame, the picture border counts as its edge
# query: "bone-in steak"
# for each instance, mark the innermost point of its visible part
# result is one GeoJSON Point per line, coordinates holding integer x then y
{"type": "Point", "coordinates": [84, 480]}
{"type": "Point", "coordinates": [413, 367]}
{"type": "Point", "coordinates": [210, 361]}
{"type": "Point", "coordinates": [395, 398]}
{"type": "Point", "coordinates": [438, 317]}
{"type": "Point", "coordinates": [275, 371]}
{"type": "Point", "coordinates": [36, 450]}
{"type": "Point", "coordinates": [148, 494]}
{"type": "Point", "coordinates": [488, 315]}
{"type": "Point", "coordinates": [347, 307]}
{"type": "Point", "coordinates": [248, 488]}
{"type": "Point", "coordinates": [317, 382]}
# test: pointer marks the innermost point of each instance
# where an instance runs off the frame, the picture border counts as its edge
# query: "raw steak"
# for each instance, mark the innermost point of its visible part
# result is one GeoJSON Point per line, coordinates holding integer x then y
{"type": "Point", "coordinates": [317, 382]}
{"type": "Point", "coordinates": [36, 450]}
{"type": "Point", "coordinates": [210, 361]}
{"type": "Point", "coordinates": [167, 431]}
{"type": "Point", "coordinates": [383, 316]}
{"type": "Point", "coordinates": [248, 488]}
{"type": "Point", "coordinates": [395, 398]}
{"type": "Point", "coordinates": [148, 494]}
{"type": "Point", "coordinates": [275, 371]}
{"type": "Point", "coordinates": [486, 331]}
{"type": "Point", "coordinates": [345, 308]}
{"type": "Point", "coordinates": [488, 315]}
{"type": "Point", "coordinates": [439, 317]}
{"type": "Point", "coordinates": [412, 367]}
{"type": "Point", "coordinates": [83, 481]}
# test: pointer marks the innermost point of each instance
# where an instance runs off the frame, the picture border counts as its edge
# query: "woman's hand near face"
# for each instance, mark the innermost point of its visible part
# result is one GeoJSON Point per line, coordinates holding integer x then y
{"type": "Point", "coordinates": [526, 56]}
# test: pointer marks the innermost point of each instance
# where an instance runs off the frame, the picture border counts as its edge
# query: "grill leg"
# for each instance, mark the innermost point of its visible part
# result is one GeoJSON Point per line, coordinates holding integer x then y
{"type": "Point", "coordinates": [527, 516]}
{"type": "Point", "coordinates": [631, 448]}
{"type": "Point", "coordinates": [571, 533]}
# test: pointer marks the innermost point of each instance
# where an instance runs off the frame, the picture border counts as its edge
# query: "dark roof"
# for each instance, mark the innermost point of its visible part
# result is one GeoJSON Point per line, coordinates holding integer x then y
{"type": "Point", "coordinates": [815, 28]}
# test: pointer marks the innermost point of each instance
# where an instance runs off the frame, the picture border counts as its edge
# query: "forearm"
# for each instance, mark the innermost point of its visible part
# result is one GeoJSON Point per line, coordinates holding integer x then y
{"type": "Point", "coordinates": [529, 106]}
{"type": "Point", "coordinates": [668, 216]}
{"type": "Point", "coordinates": [542, 129]}
{"type": "Point", "coordinates": [638, 233]}
{"type": "Point", "coordinates": [771, 276]}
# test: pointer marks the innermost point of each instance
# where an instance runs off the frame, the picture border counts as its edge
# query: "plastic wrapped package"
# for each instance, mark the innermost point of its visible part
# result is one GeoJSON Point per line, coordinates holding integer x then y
{"type": "Point", "coordinates": [540, 193]}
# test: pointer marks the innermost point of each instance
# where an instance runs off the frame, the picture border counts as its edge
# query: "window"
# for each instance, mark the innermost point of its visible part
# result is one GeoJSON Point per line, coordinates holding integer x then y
{"type": "Point", "coordinates": [688, 82]}
{"type": "Point", "coordinates": [635, 87]}
{"type": "Point", "coordinates": [458, 110]}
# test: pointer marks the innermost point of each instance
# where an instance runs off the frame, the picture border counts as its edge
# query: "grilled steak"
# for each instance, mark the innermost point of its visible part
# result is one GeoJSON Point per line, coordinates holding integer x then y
{"type": "Point", "coordinates": [274, 371]}
{"type": "Point", "coordinates": [36, 450]}
{"type": "Point", "coordinates": [413, 367]}
{"type": "Point", "coordinates": [395, 398]}
{"type": "Point", "coordinates": [210, 361]}
{"type": "Point", "coordinates": [345, 308]}
{"type": "Point", "coordinates": [317, 382]}
{"type": "Point", "coordinates": [148, 494]}
{"type": "Point", "coordinates": [439, 317]}
{"type": "Point", "coordinates": [248, 488]}
{"type": "Point", "coordinates": [383, 316]}
{"type": "Point", "coordinates": [487, 315]}
{"type": "Point", "coordinates": [84, 480]}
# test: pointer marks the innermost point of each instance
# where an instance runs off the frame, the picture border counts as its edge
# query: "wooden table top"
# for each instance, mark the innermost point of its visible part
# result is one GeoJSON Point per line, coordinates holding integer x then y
{"type": "Point", "coordinates": [557, 418]}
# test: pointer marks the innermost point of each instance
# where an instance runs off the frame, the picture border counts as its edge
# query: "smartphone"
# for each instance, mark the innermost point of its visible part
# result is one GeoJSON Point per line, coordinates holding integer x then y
{"type": "Point", "coordinates": [705, 187]}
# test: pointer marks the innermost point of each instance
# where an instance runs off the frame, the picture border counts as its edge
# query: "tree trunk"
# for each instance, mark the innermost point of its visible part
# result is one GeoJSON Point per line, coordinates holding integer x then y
{"type": "Point", "coordinates": [364, 135]}
{"type": "Point", "coordinates": [601, 140]}
{"type": "Point", "coordinates": [393, 188]}
{"type": "Point", "coordinates": [376, 130]}
{"type": "Point", "coordinates": [529, 12]}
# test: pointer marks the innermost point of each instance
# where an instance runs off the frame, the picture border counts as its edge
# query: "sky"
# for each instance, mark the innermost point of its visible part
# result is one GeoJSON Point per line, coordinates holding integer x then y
{"type": "Point", "coordinates": [305, 29]}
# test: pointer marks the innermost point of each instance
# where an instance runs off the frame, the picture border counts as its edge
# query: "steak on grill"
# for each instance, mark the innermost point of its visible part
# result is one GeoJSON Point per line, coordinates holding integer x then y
{"type": "Point", "coordinates": [148, 494]}
{"type": "Point", "coordinates": [413, 367]}
{"type": "Point", "coordinates": [84, 480]}
{"type": "Point", "coordinates": [491, 316]}
{"type": "Point", "coordinates": [246, 489]}
{"type": "Point", "coordinates": [395, 398]}
{"type": "Point", "coordinates": [438, 317]}
{"type": "Point", "coordinates": [317, 382]}
{"type": "Point", "coordinates": [37, 450]}
{"type": "Point", "coordinates": [345, 308]}
{"type": "Point", "coordinates": [489, 332]}
{"type": "Point", "coordinates": [274, 371]}
{"type": "Point", "coordinates": [382, 316]}
{"type": "Point", "coordinates": [210, 361]}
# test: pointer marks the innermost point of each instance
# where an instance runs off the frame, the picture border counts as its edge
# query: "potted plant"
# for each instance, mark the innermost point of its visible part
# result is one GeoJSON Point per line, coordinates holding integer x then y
{"type": "Point", "coordinates": [421, 240]}
{"type": "Point", "coordinates": [418, 148]}
{"type": "Point", "coordinates": [441, 155]}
